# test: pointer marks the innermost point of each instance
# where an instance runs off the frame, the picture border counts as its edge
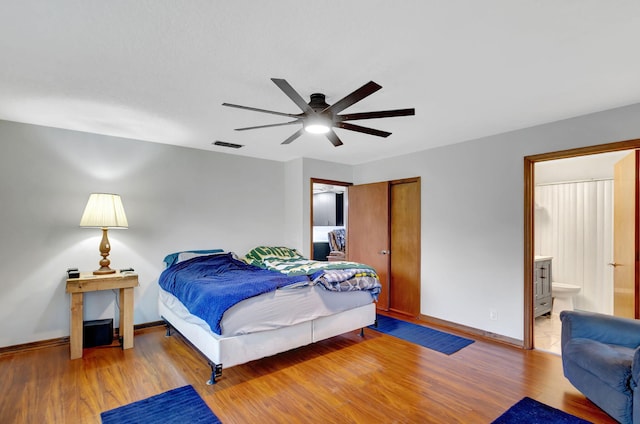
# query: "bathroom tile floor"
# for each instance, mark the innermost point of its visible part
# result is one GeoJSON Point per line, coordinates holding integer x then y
{"type": "Point", "coordinates": [546, 333]}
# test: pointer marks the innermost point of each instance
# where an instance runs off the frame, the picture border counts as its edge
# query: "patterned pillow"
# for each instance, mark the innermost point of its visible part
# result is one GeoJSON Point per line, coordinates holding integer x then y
{"type": "Point", "coordinates": [257, 255]}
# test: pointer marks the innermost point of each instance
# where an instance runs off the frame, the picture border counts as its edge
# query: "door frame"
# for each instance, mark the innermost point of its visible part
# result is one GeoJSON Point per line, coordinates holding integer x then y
{"type": "Point", "coordinates": [529, 215]}
{"type": "Point", "coordinates": [321, 181]}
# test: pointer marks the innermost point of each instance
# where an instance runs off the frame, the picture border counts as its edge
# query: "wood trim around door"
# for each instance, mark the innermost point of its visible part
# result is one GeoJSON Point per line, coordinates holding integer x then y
{"type": "Point", "coordinates": [529, 188]}
{"type": "Point", "coordinates": [529, 233]}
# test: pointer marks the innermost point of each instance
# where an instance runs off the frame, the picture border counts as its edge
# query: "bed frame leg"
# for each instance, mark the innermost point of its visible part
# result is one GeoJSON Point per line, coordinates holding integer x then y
{"type": "Point", "coordinates": [362, 332]}
{"type": "Point", "coordinates": [216, 371]}
{"type": "Point", "coordinates": [168, 333]}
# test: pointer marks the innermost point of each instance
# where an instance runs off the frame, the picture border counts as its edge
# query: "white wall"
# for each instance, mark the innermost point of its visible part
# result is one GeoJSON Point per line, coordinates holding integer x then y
{"type": "Point", "coordinates": [175, 198]}
{"type": "Point", "coordinates": [294, 201]}
{"type": "Point", "coordinates": [472, 214]}
{"type": "Point", "coordinates": [178, 198]}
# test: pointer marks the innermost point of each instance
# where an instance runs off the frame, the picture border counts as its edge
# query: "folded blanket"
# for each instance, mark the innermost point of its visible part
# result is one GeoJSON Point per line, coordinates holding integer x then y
{"type": "Point", "coordinates": [304, 266]}
{"type": "Point", "coordinates": [334, 276]}
{"type": "Point", "coordinates": [349, 280]}
{"type": "Point", "coordinates": [209, 285]}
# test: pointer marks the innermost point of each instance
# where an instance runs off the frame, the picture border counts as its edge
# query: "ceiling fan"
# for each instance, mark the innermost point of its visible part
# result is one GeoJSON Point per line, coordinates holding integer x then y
{"type": "Point", "coordinates": [319, 117]}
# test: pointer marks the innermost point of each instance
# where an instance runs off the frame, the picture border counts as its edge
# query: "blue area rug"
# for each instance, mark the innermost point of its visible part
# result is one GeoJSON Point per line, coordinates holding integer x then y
{"type": "Point", "coordinates": [179, 406]}
{"type": "Point", "coordinates": [530, 411]}
{"type": "Point", "coordinates": [428, 337]}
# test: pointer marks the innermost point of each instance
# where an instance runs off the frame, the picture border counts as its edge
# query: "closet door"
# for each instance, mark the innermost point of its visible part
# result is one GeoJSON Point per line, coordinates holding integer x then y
{"type": "Point", "coordinates": [404, 289]}
{"type": "Point", "coordinates": [384, 232]}
{"type": "Point", "coordinates": [368, 231]}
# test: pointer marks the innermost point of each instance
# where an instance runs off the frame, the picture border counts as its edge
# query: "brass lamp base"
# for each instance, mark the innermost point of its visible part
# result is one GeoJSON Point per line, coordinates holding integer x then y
{"type": "Point", "coordinates": [105, 247]}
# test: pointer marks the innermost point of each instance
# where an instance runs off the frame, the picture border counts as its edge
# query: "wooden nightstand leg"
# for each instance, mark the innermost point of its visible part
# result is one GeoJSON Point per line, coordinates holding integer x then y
{"type": "Point", "coordinates": [126, 317]}
{"type": "Point", "coordinates": [75, 337]}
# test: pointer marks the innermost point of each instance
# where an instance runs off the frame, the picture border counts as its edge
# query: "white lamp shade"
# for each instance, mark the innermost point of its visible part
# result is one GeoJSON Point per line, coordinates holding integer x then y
{"type": "Point", "coordinates": [104, 210]}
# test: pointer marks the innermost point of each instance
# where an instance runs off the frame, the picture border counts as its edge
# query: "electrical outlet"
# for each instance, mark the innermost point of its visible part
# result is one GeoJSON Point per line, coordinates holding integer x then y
{"type": "Point", "coordinates": [493, 315]}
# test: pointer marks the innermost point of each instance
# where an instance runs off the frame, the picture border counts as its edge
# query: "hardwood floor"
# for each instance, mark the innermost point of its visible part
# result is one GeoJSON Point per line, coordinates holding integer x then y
{"type": "Point", "coordinates": [346, 379]}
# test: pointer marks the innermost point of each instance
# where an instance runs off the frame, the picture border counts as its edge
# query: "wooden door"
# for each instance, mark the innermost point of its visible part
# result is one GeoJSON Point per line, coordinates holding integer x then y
{"type": "Point", "coordinates": [368, 231]}
{"type": "Point", "coordinates": [404, 290]}
{"type": "Point", "coordinates": [625, 236]}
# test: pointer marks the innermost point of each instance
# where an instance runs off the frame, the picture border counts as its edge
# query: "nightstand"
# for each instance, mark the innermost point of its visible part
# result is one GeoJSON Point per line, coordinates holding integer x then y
{"type": "Point", "coordinates": [87, 282]}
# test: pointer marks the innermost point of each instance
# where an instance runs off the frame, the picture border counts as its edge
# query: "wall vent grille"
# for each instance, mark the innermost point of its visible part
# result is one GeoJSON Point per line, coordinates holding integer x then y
{"type": "Point", "coordinates": [225, 144]}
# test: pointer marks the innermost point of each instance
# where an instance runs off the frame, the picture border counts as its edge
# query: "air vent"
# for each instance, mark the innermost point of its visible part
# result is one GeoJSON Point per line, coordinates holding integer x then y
{"type": "Point", "coordinates": [225, 144]}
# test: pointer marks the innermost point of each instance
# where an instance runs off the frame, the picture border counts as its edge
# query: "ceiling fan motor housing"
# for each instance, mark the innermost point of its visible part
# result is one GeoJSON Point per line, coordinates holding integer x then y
{"type": "Point", "coordinates": [318, 103]}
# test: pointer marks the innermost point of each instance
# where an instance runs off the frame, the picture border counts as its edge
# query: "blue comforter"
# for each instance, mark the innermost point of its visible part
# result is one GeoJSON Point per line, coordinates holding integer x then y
{"type": "Point", "coordinates": [209, 285]}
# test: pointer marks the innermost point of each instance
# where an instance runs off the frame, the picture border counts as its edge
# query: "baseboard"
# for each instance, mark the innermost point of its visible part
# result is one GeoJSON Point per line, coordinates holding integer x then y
{"type": "Point", "coordinates": [61, 341]}
{"type": "Point", "coordinates": [148, 325]}
{"type": "Point", "coordinates": [42, 344]}
{"type": "Point", "coordinates": [443, 324]}
{"type": "Point", "coordinates": [473, 332]}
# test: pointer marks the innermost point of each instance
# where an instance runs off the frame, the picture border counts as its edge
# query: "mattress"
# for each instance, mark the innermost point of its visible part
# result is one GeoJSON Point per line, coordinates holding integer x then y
{"type": "Point", "coordinates": [276, 309]}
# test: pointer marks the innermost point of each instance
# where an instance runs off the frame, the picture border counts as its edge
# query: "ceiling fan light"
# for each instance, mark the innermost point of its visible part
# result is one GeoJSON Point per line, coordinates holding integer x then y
{"type": "Point", "coordinates": [317, 128]}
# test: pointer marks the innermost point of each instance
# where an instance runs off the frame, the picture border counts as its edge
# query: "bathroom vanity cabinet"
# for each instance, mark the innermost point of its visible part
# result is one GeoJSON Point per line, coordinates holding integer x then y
{"type": "Point", "coordinates": [542, 285]}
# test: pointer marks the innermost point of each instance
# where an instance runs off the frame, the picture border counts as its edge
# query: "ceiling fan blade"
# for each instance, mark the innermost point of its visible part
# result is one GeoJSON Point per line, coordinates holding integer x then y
{"type": "Point", "coordinates": [297, 121]}
{"type": "Point", "coordinates": [375, 115]}
{"type": "Point", "coordinates": [358, 128]}
{"type": "Point", "coordinates": [293, 136]}
{"type": "Point", "coordinates": [333, 138]}
{"type": "Point", "coordinates": [292, 94]}
{"type": "Point", "coordinates": [255, 109]}
{"type": "Point", "coordinates": [362, 92]}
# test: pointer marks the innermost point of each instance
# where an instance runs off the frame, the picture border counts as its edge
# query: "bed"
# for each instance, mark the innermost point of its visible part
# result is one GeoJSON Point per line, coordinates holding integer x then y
{"type": "Point", "coordinates": [272, 300]}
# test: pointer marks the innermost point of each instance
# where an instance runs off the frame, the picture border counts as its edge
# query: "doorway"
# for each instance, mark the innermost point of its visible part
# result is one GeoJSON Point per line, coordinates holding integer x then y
{"type": "Point", "coordinates": [329, 200]}
{"type": "Point", "coordinates": [573, 242]}
{"type": "Point", "coordinates": [529, 220]}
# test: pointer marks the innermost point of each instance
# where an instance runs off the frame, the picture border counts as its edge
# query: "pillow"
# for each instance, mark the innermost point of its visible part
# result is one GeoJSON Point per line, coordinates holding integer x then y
{"type": "Point", "coordinates": [176, 257]}
{"type": "Point", "coordinates": [257, 255]}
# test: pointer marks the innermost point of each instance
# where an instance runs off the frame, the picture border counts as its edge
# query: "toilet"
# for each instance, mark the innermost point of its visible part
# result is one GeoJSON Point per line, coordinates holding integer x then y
{"type": "Point", "coordinates": [563, 294]}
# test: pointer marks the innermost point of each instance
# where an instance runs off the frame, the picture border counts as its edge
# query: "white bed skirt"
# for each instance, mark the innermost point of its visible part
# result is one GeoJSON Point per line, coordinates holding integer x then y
{"type": "Point", "coordinates": [235, 350]}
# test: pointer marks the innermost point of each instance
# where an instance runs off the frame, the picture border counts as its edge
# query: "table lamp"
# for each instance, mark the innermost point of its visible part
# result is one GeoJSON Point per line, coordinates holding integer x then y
{"type": "Point", "coordinates": [104, 211]}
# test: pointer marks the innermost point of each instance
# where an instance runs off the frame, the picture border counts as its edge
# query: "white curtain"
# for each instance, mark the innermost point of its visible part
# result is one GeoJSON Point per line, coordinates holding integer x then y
{"type": "Point", "coordinates": [574, 225]}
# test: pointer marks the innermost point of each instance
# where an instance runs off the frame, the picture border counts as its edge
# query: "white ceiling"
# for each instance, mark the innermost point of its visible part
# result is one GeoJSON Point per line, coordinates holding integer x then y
{"type": "Point", "coordinates": [580, 168]}
{"type": "Point", "coordinates": [159, 70]}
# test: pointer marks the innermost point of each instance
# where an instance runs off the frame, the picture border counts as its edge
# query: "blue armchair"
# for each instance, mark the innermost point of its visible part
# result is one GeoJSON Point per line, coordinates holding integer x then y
{"type": "Point", "coordinates": [601, 358]}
